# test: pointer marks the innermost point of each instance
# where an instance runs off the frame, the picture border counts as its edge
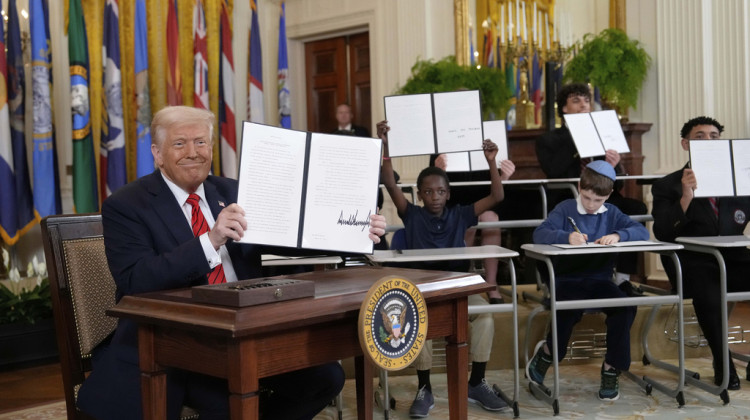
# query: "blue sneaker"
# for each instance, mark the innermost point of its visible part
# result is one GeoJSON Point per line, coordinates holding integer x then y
{"type": "Point", "coordinates": [422, 404]}
{"type": "Point", "coordinates": [537, 367]}
{"type": "Point", "coordinates": [610, 387]}
{"type": "Point", "coordinates": [483, 395]}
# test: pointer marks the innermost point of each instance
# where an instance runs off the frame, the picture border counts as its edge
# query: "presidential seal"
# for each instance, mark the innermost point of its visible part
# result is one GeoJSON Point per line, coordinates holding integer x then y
{"type": "Point", "coordinates": [393, 323]}
{"type": "Point", "coordinates": [739, 217]}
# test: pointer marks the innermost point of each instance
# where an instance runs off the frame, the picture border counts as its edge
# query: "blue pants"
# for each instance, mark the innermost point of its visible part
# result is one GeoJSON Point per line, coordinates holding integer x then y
{"type": "Point", "coordinates": [619, 320]}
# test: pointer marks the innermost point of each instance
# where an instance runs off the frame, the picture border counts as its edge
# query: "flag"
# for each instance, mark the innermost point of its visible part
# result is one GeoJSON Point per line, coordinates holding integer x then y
{"type": "Point", "coordinates": [536, 88]}
{"type": "Point", "coordinates": [112, 157]}
{"type": "Point", "coordinates": [21, 204]}
{"type": "Point", "coordinates": [46, 186]}
{"type": "Point", "coordinates": [471, 47]}
{"type": "Point", "coordinates": [144, 160]}
{"type": "Point", "coordinates": [285, 101]}
{"type": "Point", "coordinates": [200, 54]}
{"type": "Point", "coordinates": [85, 198]}
{"type": "Point", "coordinates": [228, 145]}
{"type": "Point", "coordinates": [174, 77]}
{"type": "Point", "coordinates": [489, 51]}
{"type": "Point", "coordinates": [255, 76]}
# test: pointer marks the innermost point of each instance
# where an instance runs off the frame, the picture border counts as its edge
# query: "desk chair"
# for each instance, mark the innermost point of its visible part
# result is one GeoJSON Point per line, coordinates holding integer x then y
{"type": "Point", "coordinates": [82, 289]}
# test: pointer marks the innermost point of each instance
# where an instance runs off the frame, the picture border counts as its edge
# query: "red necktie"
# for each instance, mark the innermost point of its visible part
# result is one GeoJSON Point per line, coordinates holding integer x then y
{"type": "Point", "coordinates": [200, 226]}
{"type": "Point", "coordinates": [714, 205]}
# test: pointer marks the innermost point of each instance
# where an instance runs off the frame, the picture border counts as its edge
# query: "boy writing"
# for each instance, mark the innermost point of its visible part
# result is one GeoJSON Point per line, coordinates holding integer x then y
{"type": "Point", "coordinates": [590, 276]}
{"type": "Point", "coordinates": [436, 226]}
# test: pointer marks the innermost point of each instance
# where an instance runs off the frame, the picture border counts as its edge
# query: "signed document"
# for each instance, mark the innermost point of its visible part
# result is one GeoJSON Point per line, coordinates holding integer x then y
{"type": "Point", "coordinates": [475, 160]}
{"type": "Point", "coordinates": [430, 123]}
{"type": "Point", "coordinates": [596, 132]}
{"type": "Point", "coordinates": [722, 167]}
{"type": "Point", "coordinates": [308, 190]}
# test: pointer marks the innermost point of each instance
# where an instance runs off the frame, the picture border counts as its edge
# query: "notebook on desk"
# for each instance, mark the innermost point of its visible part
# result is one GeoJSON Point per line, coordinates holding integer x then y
{"type": "Point", "coordinates": [618, 244]}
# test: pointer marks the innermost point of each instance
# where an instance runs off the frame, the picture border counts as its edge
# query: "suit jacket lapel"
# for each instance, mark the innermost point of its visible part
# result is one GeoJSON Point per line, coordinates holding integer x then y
{"type": "Point", "coordinates": [168, 209]}
{"type": "Point", "coordinates": [216, 201]}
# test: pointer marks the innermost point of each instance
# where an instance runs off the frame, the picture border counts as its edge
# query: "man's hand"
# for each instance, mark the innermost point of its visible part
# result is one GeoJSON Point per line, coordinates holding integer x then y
{"type": "Point", "coordinates": [612, 157]}
{"type": "Point", "coordinates": [377, 227]}
{"type": "Point", "coordinates": [608, 239]}
{"type": "Point", "coordinates": [441, 161]}
{"type": "Point", "coordinates": [490, 150]}
{"type": "Point", "coordinates": [576, 238]}
{"type": "Point", "coordinates": [689, 184]}
{"type": "Point", "coordinates": [230, 224]}
{"type": "Point", "coordinates": [507, 168]}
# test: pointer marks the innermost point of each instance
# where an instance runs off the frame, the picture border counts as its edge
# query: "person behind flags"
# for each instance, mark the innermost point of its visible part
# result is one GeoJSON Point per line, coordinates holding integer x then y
{"type": "Point", "coordinates": [344, 118]}
{"type": "Point", "coordinates": [678, 213]}
{"type": "Point", "coordinates": [150, 246]}
{"type": "Point", "coordinates": [558, 158]}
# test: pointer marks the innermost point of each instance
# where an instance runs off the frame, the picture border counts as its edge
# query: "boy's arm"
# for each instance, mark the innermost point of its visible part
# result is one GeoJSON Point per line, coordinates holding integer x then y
{"type": "Point", "coordinates": [386, 172]}
{"type": "Point", "coordinates": [553, 230]}
{"type": "Point", "coordinates": [627, 228]}
{"type": "Point", "coordinates": [496, 185]}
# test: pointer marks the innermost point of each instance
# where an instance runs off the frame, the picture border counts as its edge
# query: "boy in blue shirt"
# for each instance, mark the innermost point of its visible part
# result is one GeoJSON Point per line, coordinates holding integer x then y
{"type": "Point", "coordinates": [436, 226]}
{"type": "Point", "coordinates": [589, 276]}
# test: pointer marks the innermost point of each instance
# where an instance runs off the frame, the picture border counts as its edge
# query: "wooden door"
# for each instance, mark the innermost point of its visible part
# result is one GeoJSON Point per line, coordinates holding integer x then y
{"type": "Point", "coordinates": [337, 71]}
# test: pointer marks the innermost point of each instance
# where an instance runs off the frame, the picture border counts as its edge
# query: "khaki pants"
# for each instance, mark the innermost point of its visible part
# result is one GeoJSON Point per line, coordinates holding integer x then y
{"type": "Point", "coordinates": [481, 332]}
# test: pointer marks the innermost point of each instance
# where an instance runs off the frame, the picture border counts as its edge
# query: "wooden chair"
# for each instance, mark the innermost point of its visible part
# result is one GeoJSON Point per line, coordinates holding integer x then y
{"type": "Point", "coordinates": [82, 289]}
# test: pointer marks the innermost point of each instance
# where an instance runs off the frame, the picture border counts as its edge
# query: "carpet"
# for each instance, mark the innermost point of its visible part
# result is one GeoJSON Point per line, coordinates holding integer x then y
{"type": "Point", "coordinates": [578, 400]}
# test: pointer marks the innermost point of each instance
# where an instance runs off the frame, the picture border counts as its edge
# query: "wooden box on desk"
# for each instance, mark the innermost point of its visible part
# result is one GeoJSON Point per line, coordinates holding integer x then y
{"type": "Point", "coordinates": [254, 292]}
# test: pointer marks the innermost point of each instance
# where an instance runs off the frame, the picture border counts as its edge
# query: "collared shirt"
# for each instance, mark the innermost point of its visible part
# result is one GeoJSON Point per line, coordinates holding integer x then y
{"type": "Point", "coordinates": [213, 257]}
{"type": "Point", "coordinates": [582, 210]}
{"type": "Point", "coordinates": [347, 128]}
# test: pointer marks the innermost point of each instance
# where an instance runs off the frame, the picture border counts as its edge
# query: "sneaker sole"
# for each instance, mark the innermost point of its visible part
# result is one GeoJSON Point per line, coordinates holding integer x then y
{"type": "Point", "coordinates": [526, 368]}
{"type": "Point", "coordinates": [615, 398]}
{"type": "Point", "coordinates": [421, 416]}
{"type": "Point", "coordinates": [479, 403]}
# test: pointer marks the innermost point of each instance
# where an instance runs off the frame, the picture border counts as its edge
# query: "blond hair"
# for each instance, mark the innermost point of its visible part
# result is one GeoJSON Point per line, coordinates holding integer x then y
{"type": "Point", "coordinates": [172, 116]}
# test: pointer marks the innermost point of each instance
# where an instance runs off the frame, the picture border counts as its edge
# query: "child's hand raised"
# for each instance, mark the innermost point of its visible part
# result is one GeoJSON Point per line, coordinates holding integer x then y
{"type": "Point", "coordinates": [383, 130]}
{"type": "Point", "coordinates": [507, 168]}
{"type": "Point", "coordinates": [490, 150]}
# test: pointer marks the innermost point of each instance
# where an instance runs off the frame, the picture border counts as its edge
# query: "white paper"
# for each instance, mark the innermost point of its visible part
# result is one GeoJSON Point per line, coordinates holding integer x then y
{"type": "Point", "coordinates": [270, 183]}
{"type": "Point", "coordinates": [495, 131]}
{"type": "Point", "coordinates": [342, 185]}
{"type": "Point", "coordinates": [741, 158]}
{"type": "Point", "coordinates": [410, 119]}
{"type": "Point", "coordinates": [459, 162]}
{"type": "Point", "coordinates": [615, 245]}
{"type": "Point", "coordinates": [712, 164]}
{"type": "Point", "coordinates": [610, 131]}
{"type": "Point", "coordinates": [458, 121]}
{"type": "Point", "coordinates": [584, 134]}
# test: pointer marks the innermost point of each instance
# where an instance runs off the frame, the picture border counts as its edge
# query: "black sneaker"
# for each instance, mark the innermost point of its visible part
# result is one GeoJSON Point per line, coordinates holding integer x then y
{"type": "Point", "coordinates": [537, 367]}
{"type": "Point", "coordinates": [483, 395]}
{"type": "Point", "coordinates": [610, 387]}
{"type": "Point", "coordinates": [630, 290]}
{"type": "Point", "coordinates": [422, 404]}
{"type": "Point", "coordinates": [734, 379]}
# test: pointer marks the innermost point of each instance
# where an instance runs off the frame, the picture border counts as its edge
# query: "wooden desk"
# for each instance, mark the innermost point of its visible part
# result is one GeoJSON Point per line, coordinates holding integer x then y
{"type": "Point", "coordinates": [319, 261]}
{"type": "Point", "coordinates": [545, 253]}
{"type": "Point", "coordinates": [246, 344]}
{"type": "Point", "coordinates": [712, 245]}
{"type": "Point", "coordinates": [471, 253]}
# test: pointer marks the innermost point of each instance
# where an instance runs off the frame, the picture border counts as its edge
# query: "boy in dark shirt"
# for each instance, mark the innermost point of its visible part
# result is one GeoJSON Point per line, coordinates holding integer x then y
{"type": "Point", "coordinates": [589, 276]}
{"type": "Point", "coordinates": [436, 226]}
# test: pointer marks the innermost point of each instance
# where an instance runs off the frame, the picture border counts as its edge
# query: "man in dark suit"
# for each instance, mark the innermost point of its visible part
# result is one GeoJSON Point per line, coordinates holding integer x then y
{"type": "Point", "coordinates": [150, 244]}
{"type": "Point", "coordinates": [344, 118]}
{"type": "Point", "coordinates": [678, 213]}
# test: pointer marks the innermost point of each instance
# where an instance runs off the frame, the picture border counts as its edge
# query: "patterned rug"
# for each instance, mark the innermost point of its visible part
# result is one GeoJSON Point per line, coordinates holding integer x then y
{"type": "Point", "coordinates": [579, 385]}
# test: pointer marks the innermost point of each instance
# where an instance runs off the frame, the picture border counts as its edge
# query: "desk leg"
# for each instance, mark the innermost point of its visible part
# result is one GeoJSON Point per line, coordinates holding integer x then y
{"type": "Point", "coordinates": [457, 359]}
{"type": "Point", "coordinates": [363, 372]}
{"type": "Point", "coordinates": [153, 378]}
{"type": "Point", "coordinates": [243, 381]}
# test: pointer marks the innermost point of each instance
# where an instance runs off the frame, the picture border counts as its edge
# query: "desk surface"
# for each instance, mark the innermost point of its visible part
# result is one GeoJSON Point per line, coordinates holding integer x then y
{"type": "Point", "coordinates": [336, 292]}
{"type": "Point", "coordinates": [551, 250]}
{"type": "Point", "coordinates": [730, 241]}
{"type": "Point", "coordinates": [443, 254]}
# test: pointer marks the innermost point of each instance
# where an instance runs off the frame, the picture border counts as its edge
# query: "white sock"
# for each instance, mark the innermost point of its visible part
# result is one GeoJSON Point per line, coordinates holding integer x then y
{"type": "Point", "coordinates": [620, 278]}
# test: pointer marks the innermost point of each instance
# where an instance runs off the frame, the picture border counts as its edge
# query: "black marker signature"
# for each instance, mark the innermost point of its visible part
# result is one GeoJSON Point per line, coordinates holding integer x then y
{"type": "Point", "coordinates": [352, 220]}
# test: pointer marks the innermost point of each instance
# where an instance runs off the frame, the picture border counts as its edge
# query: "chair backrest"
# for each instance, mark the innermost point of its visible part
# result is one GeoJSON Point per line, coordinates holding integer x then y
{"type": "Point", "coordinates": [82, 290]}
